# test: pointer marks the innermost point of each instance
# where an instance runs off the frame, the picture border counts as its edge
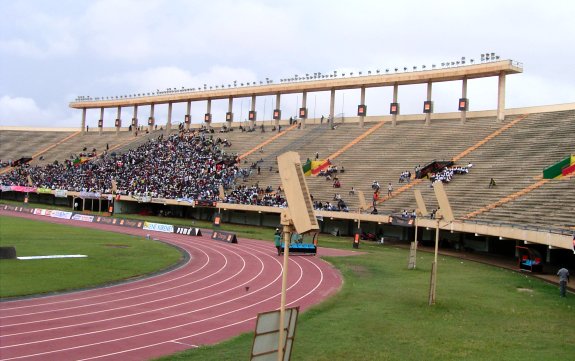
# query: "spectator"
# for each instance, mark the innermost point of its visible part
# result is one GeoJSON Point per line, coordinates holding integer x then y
{"type": "Point", "coordinates": [563, 274]}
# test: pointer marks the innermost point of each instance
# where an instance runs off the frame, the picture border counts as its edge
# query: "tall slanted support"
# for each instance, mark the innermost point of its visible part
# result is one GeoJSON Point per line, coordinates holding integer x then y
{"type": "Point", "coordinates": [394, 116]}
{"type": "Point", "coordinates": [331, 108]}
{"type": "Point", "coordinates": [188, 111]}
{"type": "Point", "coordinates": [501, 98]}
{"type": "Point", "coordinates": [428, 115]}
{"type": "Point", "coordinates": [101, 121]}
{"type": "Point", "coordinates": [169, 122]}
{"type": "Point", "coordinates": [278, 107]}
{"type": "Point", "coordinates": [362, 102]}
{"type": "Point", "coordinates": [464, 96]}
{"type": "Point", "coordinates": [83, 129]}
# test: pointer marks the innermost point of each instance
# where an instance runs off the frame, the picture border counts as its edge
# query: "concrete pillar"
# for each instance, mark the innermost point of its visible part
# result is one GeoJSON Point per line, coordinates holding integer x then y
{"type": "Point", "coordinates": [331, 108]}
{"type": "Point", "coordinates": [169, 122]}
{"type": "Point", "coordinates": [463, 95]}
{"type": "Point", "coordinates": [188, 110]}
{"type": "Point", "coordinates": [119, 116]}
{"type": "Point", "coordinates": [135, 119]}
{"type": "Point", "coordinates": [303, 105]}
{"type": "Point", "coordinates": [230, 108]}
{"type": "Point", "coordinates": [362, 101]}
{"type": "Point", "coordinates": [428, 115]}
{"type": "Point", "coordinates": [101, 119]}
{"type": "Point", "coordinates": [209, 111]}
{"type": "Point", "coordinates": [278, 103]}
{"type": "Point", "coordinates": [151, 125]}
{"type": "Point", "coordinates": [253, 109]}
{"type": "Point", "coordinates": [394, 116]}
{"type": "Point", "coordinates": [501, 98]}
{"type": "Point", "coordinates": [83, 129]}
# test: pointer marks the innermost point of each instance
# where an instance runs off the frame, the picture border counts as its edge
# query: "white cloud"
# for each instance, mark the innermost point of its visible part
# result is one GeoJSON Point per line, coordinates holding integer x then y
{"type": "Point", "coordinates": [31, 33]}
{"type": "Point", "coordinates": [20, 111]}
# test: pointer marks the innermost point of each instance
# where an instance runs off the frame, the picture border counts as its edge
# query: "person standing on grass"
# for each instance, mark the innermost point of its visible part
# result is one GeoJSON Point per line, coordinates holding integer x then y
{"type": "Point", "coordinates": [563, 274]}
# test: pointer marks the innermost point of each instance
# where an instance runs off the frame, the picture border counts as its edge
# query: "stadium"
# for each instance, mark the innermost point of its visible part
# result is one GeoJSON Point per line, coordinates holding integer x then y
{"type": "Point", "coordinates": [287, 180]}
{"type": "Point", "coordinates": [509, 175]}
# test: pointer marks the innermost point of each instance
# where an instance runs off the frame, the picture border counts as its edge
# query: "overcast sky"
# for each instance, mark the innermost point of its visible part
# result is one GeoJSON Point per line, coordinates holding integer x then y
{"type": "Point", "coordinates": [53, 51]}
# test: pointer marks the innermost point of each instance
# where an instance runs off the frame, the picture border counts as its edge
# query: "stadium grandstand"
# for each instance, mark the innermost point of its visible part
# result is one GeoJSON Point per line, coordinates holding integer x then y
{"type": "Point", "coordinates": [509, 173]}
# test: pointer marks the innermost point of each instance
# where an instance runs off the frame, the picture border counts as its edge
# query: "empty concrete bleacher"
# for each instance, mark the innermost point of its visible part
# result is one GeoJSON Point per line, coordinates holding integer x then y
{"type": "Point", "coordinates": [15, 144]}
{"type": "Point", "coordinates": [515, 159]}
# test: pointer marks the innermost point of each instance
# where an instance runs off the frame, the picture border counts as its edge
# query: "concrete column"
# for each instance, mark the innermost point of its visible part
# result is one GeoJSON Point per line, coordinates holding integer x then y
{"type": "Point", "coordinates": [209, 111]}
{"type": "Point", "coordinates": [151, 126]}
{"type": "Point", "coordinates": [119, 116]}
{"type": "Point", "coordinates": [135, 116]}
{"type": "Point", "coordinates": [394, 116]}
{"type": "Point", "coordinates": [278, 103]}
{"type": "Point", "coordinates": [428, 115]}
{"type": "Point", "coordinates": [102, 119]}
{"type": "Point", "coordinates": [230, 108]}
{"type": "Point", "coordinates": [501, 98]}
{"type": "Point", "coordinates": [463, 95]}
{"type": "Point", "coordinates": [188, 111]}
{"type": "Point", "coordinates": [303, 105]}
{"type": "Point", "coordinates": [253, 108]}
{"type": "Point", "coordinates": [331, 108]}
{"type": "Point", "coordinates": [83, 129]}
{"type": "Point", "coordinates": [169, 122]}
{"type": "Point", "coordinates": [362, 101]}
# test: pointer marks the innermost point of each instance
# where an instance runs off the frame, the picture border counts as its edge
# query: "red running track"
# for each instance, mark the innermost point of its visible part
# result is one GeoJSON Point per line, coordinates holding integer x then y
{"type": "Point", "coordinates": [204, 301]}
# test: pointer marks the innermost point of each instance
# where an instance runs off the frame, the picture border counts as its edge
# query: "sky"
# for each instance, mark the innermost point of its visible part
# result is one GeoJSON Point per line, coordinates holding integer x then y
{"type": "Point", "coordinates": [53, 51]}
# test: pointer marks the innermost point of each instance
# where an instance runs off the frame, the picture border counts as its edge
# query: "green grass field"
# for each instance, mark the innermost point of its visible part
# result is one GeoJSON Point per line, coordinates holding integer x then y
{"type": "Point", "coordinates": [111, 257]}
{"type": "Point", "coordinates": [381, 313]}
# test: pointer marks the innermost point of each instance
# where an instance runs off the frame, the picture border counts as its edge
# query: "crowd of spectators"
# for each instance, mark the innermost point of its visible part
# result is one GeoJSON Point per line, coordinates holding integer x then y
{"type": "Point", "coordinates": [189, 164]}
{"type": "Point", "coordinates": [446, 174]}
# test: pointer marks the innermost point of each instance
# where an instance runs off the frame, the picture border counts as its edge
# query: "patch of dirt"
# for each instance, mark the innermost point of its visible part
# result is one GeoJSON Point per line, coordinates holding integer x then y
{"type": "Point", "coordinates": [360, 271]}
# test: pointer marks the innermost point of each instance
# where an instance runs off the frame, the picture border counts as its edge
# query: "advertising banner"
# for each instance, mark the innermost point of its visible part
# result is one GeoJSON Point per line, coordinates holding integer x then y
{"type": "Point", "coordinates": [159, 227]}
{"type": "Point", "coordinates": [82, 217]}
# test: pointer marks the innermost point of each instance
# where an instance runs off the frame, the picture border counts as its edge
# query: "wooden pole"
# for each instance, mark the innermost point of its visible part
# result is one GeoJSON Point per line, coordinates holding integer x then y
{"type": "Point", "coordinates": [287, 238]}
{"type": "Point", "coordinates": [433, 282]}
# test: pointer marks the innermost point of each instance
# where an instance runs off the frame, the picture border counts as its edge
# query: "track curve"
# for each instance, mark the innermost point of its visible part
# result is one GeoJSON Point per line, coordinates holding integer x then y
{"type": "Point", "coordinates": [215, 295]}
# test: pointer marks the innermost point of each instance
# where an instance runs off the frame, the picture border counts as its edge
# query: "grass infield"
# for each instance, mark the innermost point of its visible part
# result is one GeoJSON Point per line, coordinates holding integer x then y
{"type": "Point", "coordinates": [111, 257]}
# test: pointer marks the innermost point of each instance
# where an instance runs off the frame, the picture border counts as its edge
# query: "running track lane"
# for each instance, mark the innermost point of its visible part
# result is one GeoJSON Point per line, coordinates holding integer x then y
{"type": "Point", "coordinates": [216, 295]}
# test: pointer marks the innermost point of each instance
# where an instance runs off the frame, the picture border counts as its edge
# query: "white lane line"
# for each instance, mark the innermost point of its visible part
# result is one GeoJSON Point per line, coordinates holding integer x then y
{"type": "Point", "coordinates": [185, 344]}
